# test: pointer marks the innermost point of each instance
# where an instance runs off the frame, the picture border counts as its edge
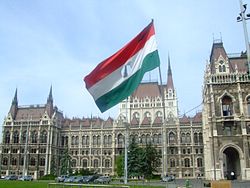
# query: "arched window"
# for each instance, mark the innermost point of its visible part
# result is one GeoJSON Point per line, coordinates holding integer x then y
{"type": "Point", "coordinates": [34, 137]}
{"type": "Point", "coordinates": [98, 140]}
{"type": "Point", "coordinates": [171, 138]}
{"type": "Point", "coordinates": [24, 135]}
{"type": "Point", "coordinates": [107, 163]}
{"type": "Point", "coordinates": [199, 162]}
{"type": "Point", "coordinates": [73, 163]}
{"type": "Point", "coordinates": [172, 162]}
{"type": "Point", "coordinates": [105, 140]}
{"type": "Point", "coordinates": [159, 138]}
{"type": "Point", "coordinates": [7, 137]}
{"type": "Point", "coordinates": [136, 139]}
{"type": "Point", "coordinates": [5, 161]}
{"type": "Point", "coordinates": [109, 139]}
{"type": "Point", "coordinates": [227, 106]}
{"type": "Point", "coordinates": [183, 138]}
{"type": "Point", "coordinates": [13, 161]}
{"type": "Point", "coordinates": [42, 162]}
{"type": "Point", "coordinates": [76, 140]}
{"type": "Point", "coordinates": [155, 138]}
{"type": "Point", "coordinates": [43, 136]}
{"type": "Point", "coordinates": [94, 140]}
{"type": "Point", "coordinates": [16, 137]}
{"type": "Point", "coordinates": [196, 138]}
{"type": "Point", "coordinates": [187, 162]}
{"type": "Point", "coordinates": [148, 139]}
{"type": "Point", "coordinates": [143, 139]}
{"type": "Point", "coordinates": [188, 138]}
{"type": "Point", "coordinates": [120, 139]}
{"type": "Point", "coordinates": [32, 161]}
{"type": "Point", "coordinates": [200, 138]}
{"type": "Point", "coordinates": [85, 163]}
{"type": "Point", "coordinates": [96, 163]}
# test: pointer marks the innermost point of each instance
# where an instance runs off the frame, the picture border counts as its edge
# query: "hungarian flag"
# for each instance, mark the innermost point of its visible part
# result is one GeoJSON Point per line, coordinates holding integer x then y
{"type": "Point", "coordinates": [116, 78]}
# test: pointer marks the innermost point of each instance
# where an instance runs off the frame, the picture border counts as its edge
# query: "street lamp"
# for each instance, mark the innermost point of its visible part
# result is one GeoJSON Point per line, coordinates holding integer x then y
{"type": "Point", "coordinates": [243, 17]}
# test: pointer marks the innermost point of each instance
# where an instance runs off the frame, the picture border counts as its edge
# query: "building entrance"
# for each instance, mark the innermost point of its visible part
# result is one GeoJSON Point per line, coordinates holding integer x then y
{"type": "Point", "coordinates": [231, 163]}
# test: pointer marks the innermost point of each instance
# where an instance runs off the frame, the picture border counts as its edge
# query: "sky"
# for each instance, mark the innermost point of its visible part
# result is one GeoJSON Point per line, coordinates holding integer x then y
{"type": "Point", "coordinates": [59, 42]}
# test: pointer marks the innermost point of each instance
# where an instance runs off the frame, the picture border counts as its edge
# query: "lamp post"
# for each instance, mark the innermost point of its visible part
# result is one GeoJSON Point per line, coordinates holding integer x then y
{"type": "Point", "coordinates": [242, 18]}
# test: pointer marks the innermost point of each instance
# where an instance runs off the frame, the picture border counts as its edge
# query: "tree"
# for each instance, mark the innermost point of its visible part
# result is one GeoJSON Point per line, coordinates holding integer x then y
{"type": "Point", "coordinates": [134, 159]}
{"type": "Point", "coordinates": [119, 165]}
{"type": "Point", "coordinates": [53, 166]}
{"type": "Point", "coordinates": [66, 162]}
{"type": "Point", "coordinates": [151, 160]}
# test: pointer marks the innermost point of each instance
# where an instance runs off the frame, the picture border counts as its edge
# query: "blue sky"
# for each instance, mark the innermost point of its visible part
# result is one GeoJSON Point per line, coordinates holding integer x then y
{"type": "Point", "coordinates": [58, 42]}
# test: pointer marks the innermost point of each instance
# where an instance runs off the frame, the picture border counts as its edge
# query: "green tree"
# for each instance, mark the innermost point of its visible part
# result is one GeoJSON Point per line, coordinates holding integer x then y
{"type": "Point", "coordinates": [53, 166]}
{"type": "Point", "coordinates": [119, 165]}
{"type": "Point", "coordinates": [151, 160]}
{"type": "Point", "coordinates": [134, 159]}
{"type": "Point", "coordinates": [66, 162]}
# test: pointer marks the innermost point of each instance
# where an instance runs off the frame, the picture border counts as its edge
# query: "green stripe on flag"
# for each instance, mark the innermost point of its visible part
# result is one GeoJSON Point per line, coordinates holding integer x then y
{"type": "Point", "coordinates": [113, 97]}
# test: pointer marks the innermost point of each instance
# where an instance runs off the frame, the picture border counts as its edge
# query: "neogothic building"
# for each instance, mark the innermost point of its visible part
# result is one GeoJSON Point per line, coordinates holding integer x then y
{"type": "Point", "coordinates": [94, 143]}
{"type": "Point", "coordinates": [226, 114]}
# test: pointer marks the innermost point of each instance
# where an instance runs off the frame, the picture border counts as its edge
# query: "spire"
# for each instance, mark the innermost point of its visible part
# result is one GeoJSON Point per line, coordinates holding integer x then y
{"type": "Point", "coordinates": [14, 106]}
{"type": "Point", "coordinates": [14, 101]}
{"type": "Point", "coordinates": [170, 84]}
{"type": "Point", "coordinates": [50, 97]}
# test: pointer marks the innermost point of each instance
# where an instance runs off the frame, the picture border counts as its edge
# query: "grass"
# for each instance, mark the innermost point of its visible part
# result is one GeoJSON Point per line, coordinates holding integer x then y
{"type": "Point", "coordinates": [44, 184]}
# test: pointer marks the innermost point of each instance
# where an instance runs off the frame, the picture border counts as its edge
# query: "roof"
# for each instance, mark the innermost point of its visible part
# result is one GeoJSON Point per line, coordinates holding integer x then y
{"type": "Point", "coordinates": [31, 112]}
{"type": "Point", "coordinates": [149, 89]}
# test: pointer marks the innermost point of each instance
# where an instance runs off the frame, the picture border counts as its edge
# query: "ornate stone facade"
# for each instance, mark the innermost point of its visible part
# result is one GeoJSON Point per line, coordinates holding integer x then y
{"type": "Point", "coordinates": [226, 115]}
{"type": "Point", "coordinates": [94, 143]}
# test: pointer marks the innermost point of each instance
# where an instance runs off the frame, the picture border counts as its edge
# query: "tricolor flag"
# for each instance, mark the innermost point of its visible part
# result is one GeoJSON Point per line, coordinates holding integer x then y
{"type": "Point", "coordinates": [118, 76]}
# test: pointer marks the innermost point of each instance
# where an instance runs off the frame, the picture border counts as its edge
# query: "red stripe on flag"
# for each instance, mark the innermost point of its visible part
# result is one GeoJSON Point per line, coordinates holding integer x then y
{"type": "Point", "coordinates": [115, 61]}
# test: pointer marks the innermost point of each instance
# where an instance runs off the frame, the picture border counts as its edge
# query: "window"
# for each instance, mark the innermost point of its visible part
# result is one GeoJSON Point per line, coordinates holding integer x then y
{"type": "Point", "coordinates": [200, 138]}
{"type": "Point", "coordinates": [172, 162]}
{"type": "Point", "coordinates": [95, 163]}
{"type": "Point", "coordinates": [183, 138]}
{"type": "Point", "coordinates": [5, 161]}
{"type": "Point", "coordinates": [16, 137]}
{"type": "Point", "coordinates": [107, 163]}
{"type": "Point", "coordinates": [73, 163]}
{"type": "Point", "coordinates": [43, 137]}
{"type": "Point", "coordinates": [85, 163]}
{"type": "Point", "coordinates": [171, 138]}
{"type": "Point", "coordinates": [13, 161]}
{"type": "Point", "coordinates": [120, 139]}
{"type": "Point", "coordinates": [42, 162]}
{"type": "Point", "coordinates": [109, 139]}
{"type": "Point", "coordinates": [7, 137]}
{"type": "Point", "coordinates": [148, 139]}
{"type": "Point", "coordinates": [227, 106]}
{"type": "Point", "coordinates": [199, 162]}
{"type": "Point", "coordinates": [34, 137]}
{"type": "Point", "coordinates": [24, 135]}
{"type": "Point", "coordinates": [196, 138]}
{"type": "Point", "coordinates": [32, 161]}
{"type": "Point", "coordinates": [187, 162]}
{"type": "Point", "coordinates": [105, 141]}
{"type": "Point", "coordinates": [188, 138]}
{"type": "Point", "coordinates": [143, 139]}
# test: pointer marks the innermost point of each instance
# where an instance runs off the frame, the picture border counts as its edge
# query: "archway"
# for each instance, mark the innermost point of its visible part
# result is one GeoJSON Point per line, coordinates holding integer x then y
{"type": "Point", "coordinates": [231, 162]}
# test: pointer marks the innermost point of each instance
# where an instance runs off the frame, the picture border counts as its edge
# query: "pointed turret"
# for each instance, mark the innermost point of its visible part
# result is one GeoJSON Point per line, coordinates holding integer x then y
{"type": "Point", "coordinates": [14, 106]}
{"type": "Point", "coordinates": [170, 84]}
{"type": "Point", "coordinates": [49, 105]}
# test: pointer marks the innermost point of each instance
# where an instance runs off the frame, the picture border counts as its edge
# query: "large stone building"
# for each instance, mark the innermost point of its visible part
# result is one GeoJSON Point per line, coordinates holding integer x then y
{"type": "Point", "coordinates": [226, 114]}
{"type": "Point", "coordinates": [94, 143]}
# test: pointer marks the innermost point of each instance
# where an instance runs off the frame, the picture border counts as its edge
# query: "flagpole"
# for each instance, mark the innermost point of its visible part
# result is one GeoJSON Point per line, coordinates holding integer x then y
{"type": "Point", "coordinates": [164, 153]}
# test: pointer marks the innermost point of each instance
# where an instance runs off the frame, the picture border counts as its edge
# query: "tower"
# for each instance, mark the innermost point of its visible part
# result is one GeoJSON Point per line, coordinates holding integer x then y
{"type": "Point", "coordinates": [49, 104]}
{"type": "Point", "coordinates": [226, 114]}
